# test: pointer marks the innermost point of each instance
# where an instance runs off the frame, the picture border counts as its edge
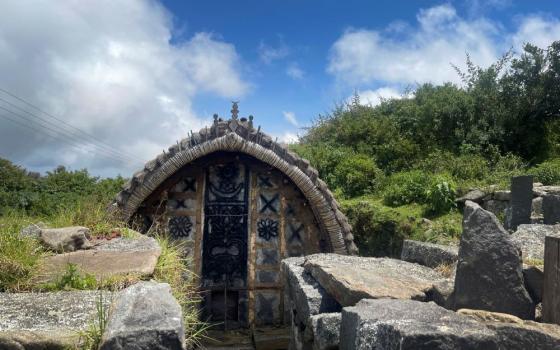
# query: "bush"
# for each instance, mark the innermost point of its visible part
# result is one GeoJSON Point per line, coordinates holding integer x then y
{"type": "Point", "coordinates": [406, 187]}
{"type": "Point", "coordinates": [548, 172]}
{"type": "Point", "coordinates": [378, 230]}
{"type": "Point", "coordinates": [357, 175]}
{"type": "Point", "coordinates": [440, 196]}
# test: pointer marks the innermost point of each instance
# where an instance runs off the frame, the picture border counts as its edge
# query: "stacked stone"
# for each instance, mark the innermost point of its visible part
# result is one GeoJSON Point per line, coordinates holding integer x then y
{"type": "Point", "coordinates": [240, 136]}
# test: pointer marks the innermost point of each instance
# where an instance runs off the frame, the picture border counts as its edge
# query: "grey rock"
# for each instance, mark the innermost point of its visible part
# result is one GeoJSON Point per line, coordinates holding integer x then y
{"type": "Point", "coordinates": [536, 207]}
{"type": "Point", "coordinates": [495, 206]}
{"type": "Point", "coordinates": [428, 254]}
{"type": "Point", "coordinates": [502, 195]}
{"type": "Point", "coordinates": [326, 331]}
{"type": "Point", "coordinates": [530, 238]}
{"type": "Point", "coordinates": [145, 316]}
{"type": "Point", "coordinates": [475, 195]}
{"type": "Point", "coordinates": [534, 281]}
{"type": "Point", "coordinates": [551, 209]}
{"type": "Point", "coordinates": [46, 320]}
{"type": "Point", "coordinates": [350, 278]}
{"type": "Point", "coordinates": [489, 275]}
{"type": "Point", "coordinates": [441, 293]}
{"type": "Point", "coordinates": [33, 230]}
{"type": "Point", "coordinates": [388, 324]}
{"type": "Point", "coordinates": [65, 239]}
{"type": "Point", "coordinates": [544, 190]}
{"type": "Point", "coordinates": [521, 201]}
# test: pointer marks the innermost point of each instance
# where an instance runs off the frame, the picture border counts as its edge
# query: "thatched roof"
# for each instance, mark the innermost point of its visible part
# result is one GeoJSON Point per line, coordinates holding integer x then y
{"type": "Point", "coordinates": [240, 136]}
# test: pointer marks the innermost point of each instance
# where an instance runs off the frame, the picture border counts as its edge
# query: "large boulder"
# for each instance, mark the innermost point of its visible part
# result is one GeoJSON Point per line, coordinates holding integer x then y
{"type": "Point", "coordinates": [474, 195]}
{"type": "Point", "coordinates": [325, 331]}
{"type": "Point", "coordinates": [428, 254]}
{"type": "Point", "coordinates": [121, 256]}
{"type": "Point", "coordinates": [350, 278]}
{"type": "Point", "coordinates": [65, 239]}
{"type": "Point", "coordinates": [530, 238]}
{"type": "Point", "coordinates": [489, 275]}
{"type": "Point", "coordinates": [33, 230]}
{"type": "Point", "coordinates": [47, 320]}
{"type": "Point", "coordinates": [145, 316]}
{"type": "Point", "coordinates": [388, 324]}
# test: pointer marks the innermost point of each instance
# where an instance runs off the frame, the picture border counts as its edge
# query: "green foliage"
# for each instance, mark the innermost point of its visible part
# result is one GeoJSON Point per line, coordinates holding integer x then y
{"type": "Point", "coordinates": [440, 196]}
{"type": "Point", "coordinates": [378, 230]}
{"type": "Point", "coordinates": [406, 187]}
{"type": "Point", "coordinates": [356, 175]}
{"type": "Point", "coordinates": [19, 256]}
{"type": "Point", "coordinates": [71, 279]}
{"type": "Point", "coordinates": [548, 172]}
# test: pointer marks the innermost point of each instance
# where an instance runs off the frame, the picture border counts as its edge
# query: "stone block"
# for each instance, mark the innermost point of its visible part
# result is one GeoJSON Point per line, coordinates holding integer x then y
{"type": "Point", "coordinates": [65, 239]}
{"type": "Point", "coordinates": [388, 324]}
{"type": "Point", "coordinates": [551, 209]}
{"type": "Point", "coordinates": [533, 276]}
{"type": "Point", "coordinates": [530, 238]}
{"type": "Point", "coordinates": [521, 201]}
{"type": "Point", "coordinates": [428, 254]}
{"type": "Point", "coordinates": [350, 278]}
{"type": "Point", "coordinates": [325, 329]}
{"type": "Point", "coordinates": [145, 316]}
{"type": "Point", "coordinates": [489, 275]}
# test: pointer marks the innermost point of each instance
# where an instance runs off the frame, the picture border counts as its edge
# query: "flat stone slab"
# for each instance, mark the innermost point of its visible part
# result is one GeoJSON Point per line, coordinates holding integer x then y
{"type": "Point", "coordinates": [350, 278]}
{"type": "Point", "coordinates": [408, 324]}
{"type": "Point", "coordinates": [119, 256]}
{"type": "Point", "coordinates": [530, 238]}
{"type": "Point", "coordinates": [34, 319]}
{"type": "Point", "coordinates": [429, 254]}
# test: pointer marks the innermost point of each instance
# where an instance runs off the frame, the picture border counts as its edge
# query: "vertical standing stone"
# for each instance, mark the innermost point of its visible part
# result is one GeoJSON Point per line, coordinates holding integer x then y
{"type": "Point", "coordinates": [521, 201]}
{"type": "Point", "coordinates": [551, 290]}
{"type": "Point", "coordinates": [489, 275]}
{"type": "Point", "coordinates": [551, 209]}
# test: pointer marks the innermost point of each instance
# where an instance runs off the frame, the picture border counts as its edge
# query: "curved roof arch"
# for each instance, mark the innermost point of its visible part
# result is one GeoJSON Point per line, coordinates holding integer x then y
{"type": "Point", "coordinates": [239, 136]}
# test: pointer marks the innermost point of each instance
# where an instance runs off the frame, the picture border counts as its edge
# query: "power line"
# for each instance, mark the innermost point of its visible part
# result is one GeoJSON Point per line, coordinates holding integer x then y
{"type": "Point", "coordinates": [92, 139]}
{"type": "Point", "coordinates": [73, 138]}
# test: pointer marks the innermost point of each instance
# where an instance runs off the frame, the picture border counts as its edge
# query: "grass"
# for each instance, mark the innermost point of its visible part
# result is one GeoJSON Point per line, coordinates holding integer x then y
{"type": "Point", "coordinates": [90, 339]}
{"type": "Point", "coordinates": [172, 268]}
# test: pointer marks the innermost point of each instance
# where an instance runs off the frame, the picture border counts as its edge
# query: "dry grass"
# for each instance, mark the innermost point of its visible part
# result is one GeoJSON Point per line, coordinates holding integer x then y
{"type": "Point", "coordinates": [446, 270]}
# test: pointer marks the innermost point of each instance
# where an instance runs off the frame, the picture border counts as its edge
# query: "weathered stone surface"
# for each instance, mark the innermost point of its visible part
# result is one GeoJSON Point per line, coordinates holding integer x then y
{"type": "Point", "coordinates": [271, 338]}
{"type": "Point", "coordinates": [551, 209]}
{"type": "Point", "coordinates": [536, 207]}
{"type": "Point", "coordinates": [407, 324]}
{"type": "Point", "coordinates": [350, 278]}
{"type": "Point", "coordinates": [65, 239]}
{"type": "Point", "coordinates": [515, 333]}
{"type": "Point", "coordinates": [475, 195]}
{"type": "Point", "coordinates": [533, 277]}
{"type": "Point", "coordinates": [496, 207]}
{"type": "Point", "coordinates": [116, 257]}
{"type": "Point", "coordinates": [530, 238]}
{"type": "Point", "coordinates": [489, 275]}
{"type": "Point", "coordinates": [46, 320]}
{"type": "Point", "coordinates": [33, 230]}
{"type": "Point", "coordinates": [502, 195]}
{"type": "Point", "coordinates": [428, 254]}
{"type": "Point", "coordinates": [441, 293]}
{"type": "Point", "coordinates": [145, 316]}
{"type": "Point", "coordinates": [521, 201]}
{"type": "Point", "coordinates": [539, 191]}
{"type": "Point", "coordinates": [326, 331]}
{"type": "Point", "coordinates": [308, 296]}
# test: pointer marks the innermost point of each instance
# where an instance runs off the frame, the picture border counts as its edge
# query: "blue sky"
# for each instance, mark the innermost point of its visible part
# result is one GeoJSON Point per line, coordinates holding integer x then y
{"type": "Point", "coordinates": [140, 74]}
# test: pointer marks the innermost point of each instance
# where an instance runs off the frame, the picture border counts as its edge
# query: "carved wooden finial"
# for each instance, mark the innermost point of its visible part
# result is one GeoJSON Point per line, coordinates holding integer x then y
{"type": "Point", "coordinates": [250, 122]}
{"type": "Point", "coordinates": [234, 110]}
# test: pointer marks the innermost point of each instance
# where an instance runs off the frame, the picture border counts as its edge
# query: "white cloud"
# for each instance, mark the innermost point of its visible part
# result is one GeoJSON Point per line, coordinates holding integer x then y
{"type": "Point", "coordinates": [107, 67]}
{"type": "Point", "coordinates": [294, 71]}
{"type": "Point", "coordinates": [289, 137]}
{"type": "Point", "coordinates": [374, 97]}
{"type": "Point", "coordinates": [425, 52]}
{"type": "Point", "coordinates": [268, 53]}
{"type": "Point", "coordinates": [291, 118]}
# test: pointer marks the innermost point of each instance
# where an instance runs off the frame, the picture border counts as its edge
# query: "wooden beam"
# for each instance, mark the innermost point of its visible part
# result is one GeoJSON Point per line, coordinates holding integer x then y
{"type": "Point", "coordinates": [551, 290]}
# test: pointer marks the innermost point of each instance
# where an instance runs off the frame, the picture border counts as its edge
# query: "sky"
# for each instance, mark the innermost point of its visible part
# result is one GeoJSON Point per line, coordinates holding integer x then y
{"type": "Point", "coordinates": [108, 84]}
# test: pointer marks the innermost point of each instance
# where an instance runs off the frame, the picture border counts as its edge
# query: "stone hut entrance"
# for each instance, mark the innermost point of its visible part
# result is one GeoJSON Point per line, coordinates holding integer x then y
{"type": "Point", "coordinates": [240, 202]}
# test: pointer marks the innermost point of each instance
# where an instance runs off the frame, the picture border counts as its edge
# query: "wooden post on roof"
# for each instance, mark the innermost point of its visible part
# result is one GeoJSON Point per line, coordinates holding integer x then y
{"type": "Point", "coordinates": [551, 288]}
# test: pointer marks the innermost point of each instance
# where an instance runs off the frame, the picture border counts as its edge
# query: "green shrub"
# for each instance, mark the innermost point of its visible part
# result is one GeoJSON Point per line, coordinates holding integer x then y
{"type": "Point", "coordinates": [548, 172]}
{"type": "Point", "coordinates": [378, 230]}
{"type": "Point", "coordinates": [72, 279]}
{"type": "Point", "coordinates": [357, 175]}
{"type": "Point", "coordinates": [406, 187]}
{"type": "Point", "coordinates": [440, 196]}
